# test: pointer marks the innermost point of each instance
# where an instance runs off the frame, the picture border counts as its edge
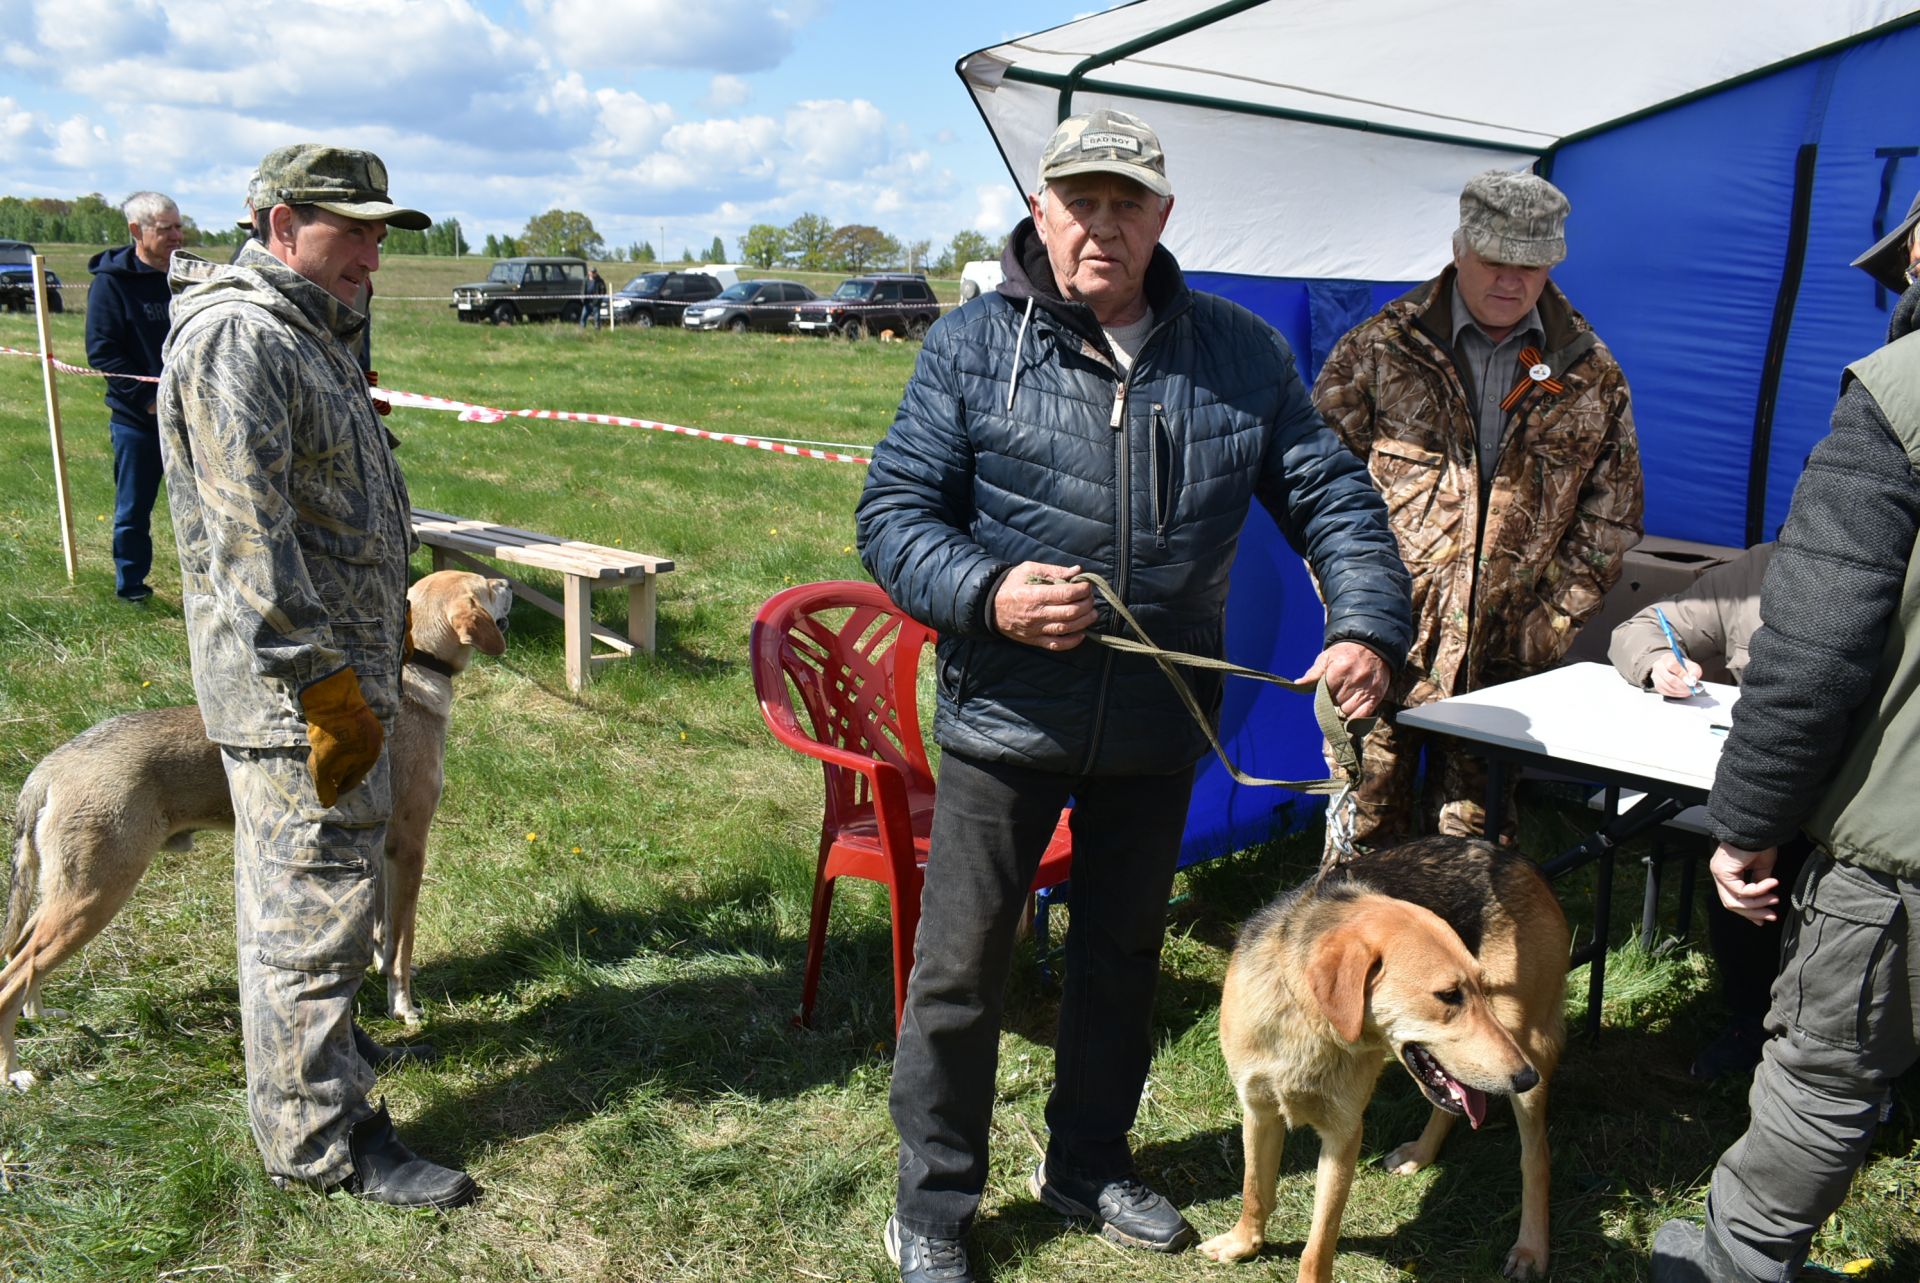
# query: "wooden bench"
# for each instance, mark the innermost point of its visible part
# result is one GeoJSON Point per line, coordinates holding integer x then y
{"type": "Point", "coordinates": [583, 567]}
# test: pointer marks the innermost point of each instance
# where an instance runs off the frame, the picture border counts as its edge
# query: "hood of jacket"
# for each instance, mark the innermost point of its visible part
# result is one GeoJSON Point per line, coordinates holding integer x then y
{"type": "Point", "coordinates": [119, 261]}
{"type": "Point", "coordinates": [258, 278]}
{"type": "Point", "coordinates": [1029, 276]}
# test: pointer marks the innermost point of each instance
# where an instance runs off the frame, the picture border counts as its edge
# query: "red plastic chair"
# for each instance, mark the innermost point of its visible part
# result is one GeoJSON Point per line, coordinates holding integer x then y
{"type": "Point", "coordinates": [854, 659]}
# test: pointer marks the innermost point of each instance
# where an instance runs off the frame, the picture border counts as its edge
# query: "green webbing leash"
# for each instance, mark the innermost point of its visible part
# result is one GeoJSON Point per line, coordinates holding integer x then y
{"type": "Point", "coordinates": [1344, 735]}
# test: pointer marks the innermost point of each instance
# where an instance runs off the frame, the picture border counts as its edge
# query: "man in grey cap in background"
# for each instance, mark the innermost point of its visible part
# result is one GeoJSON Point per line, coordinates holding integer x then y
{"type": "Point", "coordinates": [1091, 413]}
{"type": "Point", "coordinates": [1513, 539]}
{"type": "Point", "coordinates": [1822, 746]}
{"type": "Point", "coordinates": [291, 518]}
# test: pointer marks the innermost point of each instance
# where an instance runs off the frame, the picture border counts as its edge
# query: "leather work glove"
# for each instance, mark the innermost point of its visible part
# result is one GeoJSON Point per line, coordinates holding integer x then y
{"type": "Point", "coordinates": [345, 735]}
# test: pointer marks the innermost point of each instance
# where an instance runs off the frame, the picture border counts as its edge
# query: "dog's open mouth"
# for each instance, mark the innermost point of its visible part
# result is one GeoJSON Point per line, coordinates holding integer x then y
{"type": "Point", "coordinates": [1441, 1087]}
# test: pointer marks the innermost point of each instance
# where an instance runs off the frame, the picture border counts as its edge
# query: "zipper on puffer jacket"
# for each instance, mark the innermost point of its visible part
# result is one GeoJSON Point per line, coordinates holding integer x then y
{"type": "Point", "coordinates": [1160, 462]}
{"type": "Point", "coordinates": [1122, 565]}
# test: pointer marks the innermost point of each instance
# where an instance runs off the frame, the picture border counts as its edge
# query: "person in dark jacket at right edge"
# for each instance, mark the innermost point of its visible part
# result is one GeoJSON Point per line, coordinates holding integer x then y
{"type": "Point", "coordinates": [1824, 740]}
{"type": "Point", "coordinates": [1096, 414]}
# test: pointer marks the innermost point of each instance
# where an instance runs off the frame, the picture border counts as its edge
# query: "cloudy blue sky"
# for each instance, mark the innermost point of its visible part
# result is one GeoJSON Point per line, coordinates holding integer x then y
{"type": "Point", "coordinates": [674, 119]}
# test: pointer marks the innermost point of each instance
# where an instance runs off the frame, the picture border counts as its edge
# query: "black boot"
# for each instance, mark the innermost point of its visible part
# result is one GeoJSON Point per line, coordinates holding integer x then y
{"type": "Point", "coordinates": [386, 1171]}
{"type": "Point", "coordinates": [382, 1057]}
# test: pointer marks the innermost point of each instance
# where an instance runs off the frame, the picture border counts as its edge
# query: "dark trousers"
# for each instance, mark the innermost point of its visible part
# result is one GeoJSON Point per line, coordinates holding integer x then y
{"type": "Point", "coordinates": [136, 481]}
{"type": "Point", "coordinates": [1845, 1022]}
{"type": "Point", "coordinates": [991, 824]}
{"type": "Point", "coordinates": [1747, 954]}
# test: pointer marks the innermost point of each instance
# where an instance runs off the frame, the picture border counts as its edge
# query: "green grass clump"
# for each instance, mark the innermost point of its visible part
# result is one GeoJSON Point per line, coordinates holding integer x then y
{"type": "Point", "coordinates": [614, 917]}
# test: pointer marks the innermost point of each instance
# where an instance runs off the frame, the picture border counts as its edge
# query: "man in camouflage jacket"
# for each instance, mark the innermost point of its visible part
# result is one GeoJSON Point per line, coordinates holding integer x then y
{"type": "Point", "coordinates": [1498, 428]}
{"type": "Point", "coordinates": [293, 528]}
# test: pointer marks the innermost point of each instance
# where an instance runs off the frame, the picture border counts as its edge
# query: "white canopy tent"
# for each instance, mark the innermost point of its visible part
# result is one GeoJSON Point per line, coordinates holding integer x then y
{"type": "Point", "coordinates": [1724, 160]}
{"type": "Point", "coordinates": [1330, 138]}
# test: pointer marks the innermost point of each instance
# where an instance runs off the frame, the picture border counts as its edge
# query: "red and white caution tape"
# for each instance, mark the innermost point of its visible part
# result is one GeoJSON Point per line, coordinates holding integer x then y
{"type": "Point", "coordinates": [831, 452]}
{"type": "Point", "coordinates": [469, 412]}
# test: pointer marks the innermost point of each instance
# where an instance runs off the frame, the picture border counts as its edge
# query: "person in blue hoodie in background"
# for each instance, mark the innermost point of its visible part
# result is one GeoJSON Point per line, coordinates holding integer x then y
{"type": "Point", "coordinates": [126, 324]}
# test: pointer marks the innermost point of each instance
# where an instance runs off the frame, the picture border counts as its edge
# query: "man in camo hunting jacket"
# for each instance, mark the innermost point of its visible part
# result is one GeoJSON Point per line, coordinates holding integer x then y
{"type": "Point", "coordinates": [292, 522]}
{"type": "Point", "coordinates": [1498, 428]}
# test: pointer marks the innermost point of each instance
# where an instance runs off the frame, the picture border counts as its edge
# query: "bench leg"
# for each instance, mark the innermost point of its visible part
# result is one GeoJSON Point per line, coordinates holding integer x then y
{"type": "Point", "coordinates": [578, 618]}
{"type": "Point", "coordinates": [440, 561]}
{"type": "Point", "coordinates": [640, 613]}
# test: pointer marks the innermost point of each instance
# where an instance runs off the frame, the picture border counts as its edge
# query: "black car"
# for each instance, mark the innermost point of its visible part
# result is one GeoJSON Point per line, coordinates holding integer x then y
{"type": "Point", "coordinates": [869, 304]}
{"type": "Point", "coordinates": [16, 280]}
{"type": "Point", "coordinates": [750, 305]}
{"type": "Point", "coordinates": [658, 298]}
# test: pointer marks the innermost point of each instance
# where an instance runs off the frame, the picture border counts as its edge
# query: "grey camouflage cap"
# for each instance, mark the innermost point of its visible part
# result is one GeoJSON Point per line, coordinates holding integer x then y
{"type": "Point", "coordinates": [1887, 261]}
{"type": "Point", "coordinates": [352, 184]}
{"type": "Point", "coordinates": [1514, 218]}
{"type": "Point", "coordinates": [253, 199]}
{"type": "Point", "coordinates": [1106, 142]}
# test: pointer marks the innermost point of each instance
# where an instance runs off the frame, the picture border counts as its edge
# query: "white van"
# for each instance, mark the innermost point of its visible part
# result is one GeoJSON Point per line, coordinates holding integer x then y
{"type": "Point", "coordinates": [979, 276]}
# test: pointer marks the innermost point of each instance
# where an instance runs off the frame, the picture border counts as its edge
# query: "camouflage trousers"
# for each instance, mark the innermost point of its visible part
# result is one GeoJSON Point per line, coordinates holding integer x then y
{"type": "Point", "coordinates": [306, 894]}
{"type": "Point", "coordinates": [1391, 806]}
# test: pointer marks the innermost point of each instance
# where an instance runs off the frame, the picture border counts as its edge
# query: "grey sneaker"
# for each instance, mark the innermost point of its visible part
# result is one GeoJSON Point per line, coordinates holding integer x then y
{"type": "Point", "coordinates": [926, 1260]}
{"type": "Point", "coordinates": [1127, 1212]}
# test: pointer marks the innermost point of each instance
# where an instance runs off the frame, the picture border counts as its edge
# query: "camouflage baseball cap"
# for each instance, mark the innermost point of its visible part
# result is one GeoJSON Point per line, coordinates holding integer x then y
{"type": "Point", "coordinates": [1514, 218]}
{"type": "Point", "coordinates": [253, 198]}
{"type": "Point", "coordinates": [1887, 261]}
{"type": "Point", "coordinates": [352, 184]}
{"type": "Point", "coordinates": [1106, 142]}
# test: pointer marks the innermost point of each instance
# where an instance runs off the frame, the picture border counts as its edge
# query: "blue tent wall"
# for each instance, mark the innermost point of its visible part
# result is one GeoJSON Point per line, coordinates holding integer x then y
{"type": "Point", "coordinates": [1274, 616]}
{"type": "Point", "coordinates": [1680, 237]}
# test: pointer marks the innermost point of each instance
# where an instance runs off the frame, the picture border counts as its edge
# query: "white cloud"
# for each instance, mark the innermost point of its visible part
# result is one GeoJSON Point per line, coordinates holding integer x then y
{"type": "Point", "coordinates": [725, 93]}
{"type": "Point", "coordinates": [716, 35]}
{"type": "Point", "coordinates": [997, 207]}
{"type": "Point", "coordinates": [78, 143]}
{"type": "Point", "coordinates": [836, 139]}
{"type": "Point", "coordinates": [100, 30]}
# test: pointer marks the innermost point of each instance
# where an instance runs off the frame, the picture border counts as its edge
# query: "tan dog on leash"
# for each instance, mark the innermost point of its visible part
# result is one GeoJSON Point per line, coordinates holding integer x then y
{"type": "Point", "coordinates": [95, 811]}
{"type": "Point", "coordinates": [1449, 955]}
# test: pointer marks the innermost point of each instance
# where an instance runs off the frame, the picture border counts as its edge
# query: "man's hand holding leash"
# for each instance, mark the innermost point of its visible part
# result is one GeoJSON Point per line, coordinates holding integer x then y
{"type": "Point", "coordinates": [1037, 606]}
{"type": "Point", "coordinates": [1356, 677]}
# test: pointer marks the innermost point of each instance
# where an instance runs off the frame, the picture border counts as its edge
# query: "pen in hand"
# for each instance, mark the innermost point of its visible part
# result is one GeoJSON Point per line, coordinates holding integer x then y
{"type": "Point", "coordinates": [1680, 656]}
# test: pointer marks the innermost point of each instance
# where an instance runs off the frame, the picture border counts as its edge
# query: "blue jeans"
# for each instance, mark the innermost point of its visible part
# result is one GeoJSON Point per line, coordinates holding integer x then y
{"type": "Point", "coordinates": [136, 481]}
{"type": "Point", "coordinates": [991, 824]}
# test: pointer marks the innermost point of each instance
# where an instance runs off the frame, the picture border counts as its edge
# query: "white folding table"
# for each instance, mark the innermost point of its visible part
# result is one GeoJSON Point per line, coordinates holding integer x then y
{"type": "Point", "coordinates": [1583, 720]}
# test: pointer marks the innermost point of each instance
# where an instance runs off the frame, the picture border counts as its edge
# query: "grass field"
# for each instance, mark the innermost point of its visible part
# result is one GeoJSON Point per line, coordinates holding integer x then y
{"type": "Point", "coordinates": [613, 921]}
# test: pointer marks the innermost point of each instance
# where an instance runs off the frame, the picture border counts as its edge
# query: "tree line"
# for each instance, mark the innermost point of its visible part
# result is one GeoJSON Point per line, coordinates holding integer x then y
{"type": "Point", "coordinates": [810, 242]}
{"type": "Point", "coordinates": [84, 220]}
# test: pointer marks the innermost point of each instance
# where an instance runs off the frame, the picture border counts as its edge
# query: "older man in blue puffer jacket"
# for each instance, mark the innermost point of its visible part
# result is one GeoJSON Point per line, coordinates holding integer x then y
{"type": "Point", "coordinates": [1092, 414]}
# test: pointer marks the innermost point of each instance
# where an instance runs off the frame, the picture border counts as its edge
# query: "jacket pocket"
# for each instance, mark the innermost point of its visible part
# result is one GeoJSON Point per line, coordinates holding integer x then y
{"type": "Point", "coordinates": [1840, 988]}
{"type": "Point", "coordinates": [1409, 478]}
{"type": "Point", "coordinates": [1165, 486]}
{"type": "Point", "coordinates": [950, 674]}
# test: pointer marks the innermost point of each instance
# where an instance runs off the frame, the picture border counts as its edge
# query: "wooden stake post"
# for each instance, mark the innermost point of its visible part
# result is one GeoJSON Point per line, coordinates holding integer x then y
{"type": "Point", "coordinates": [53, 412]}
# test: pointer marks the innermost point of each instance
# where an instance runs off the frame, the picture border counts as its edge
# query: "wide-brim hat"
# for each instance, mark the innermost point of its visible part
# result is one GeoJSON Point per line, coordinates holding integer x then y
{"type": "Point", "coordinates": [352, 184]}
{"type": "Point", "coordinates": [1887, 261]}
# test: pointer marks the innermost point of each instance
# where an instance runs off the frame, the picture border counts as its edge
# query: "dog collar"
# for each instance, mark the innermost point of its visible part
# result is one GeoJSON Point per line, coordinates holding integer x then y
{"type": "Point", "coordinates": [433, 663]}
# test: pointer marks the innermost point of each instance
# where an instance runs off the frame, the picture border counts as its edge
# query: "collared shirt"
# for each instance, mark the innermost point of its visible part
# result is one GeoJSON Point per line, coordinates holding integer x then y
{"type": "Point", "coordinates": [1490, 370]}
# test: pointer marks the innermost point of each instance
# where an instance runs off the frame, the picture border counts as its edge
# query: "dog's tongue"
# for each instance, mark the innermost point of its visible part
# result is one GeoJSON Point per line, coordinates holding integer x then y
{"type": "Point", "coordinates": [1471, 1099]}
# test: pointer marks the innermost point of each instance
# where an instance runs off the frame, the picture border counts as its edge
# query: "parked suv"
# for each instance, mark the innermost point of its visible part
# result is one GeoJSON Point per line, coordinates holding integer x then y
{"type": "Point", "coordinates": [530, 288]}
{"type": "Point", "coordinates": [750, 305]}
{"type": "Point", "coordinates": [658, 298]}
{"type": "Point", "coordinates": [16, 280]}
{"type": "Point", "coordinates": [869, 304]}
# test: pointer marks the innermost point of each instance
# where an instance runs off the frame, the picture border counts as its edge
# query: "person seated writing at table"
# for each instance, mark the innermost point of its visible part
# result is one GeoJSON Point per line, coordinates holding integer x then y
{"type": "Point", "coordinates": [1712, 621]}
